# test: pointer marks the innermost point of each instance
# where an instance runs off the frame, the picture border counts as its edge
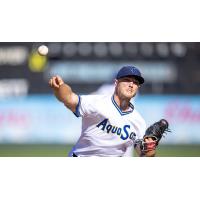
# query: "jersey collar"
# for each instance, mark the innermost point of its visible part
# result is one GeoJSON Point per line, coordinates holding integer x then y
{"type": "Point", "coordinates": [119, 109]}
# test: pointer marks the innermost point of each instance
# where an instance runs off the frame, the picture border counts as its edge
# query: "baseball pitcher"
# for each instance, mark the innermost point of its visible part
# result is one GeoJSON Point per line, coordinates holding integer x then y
{"type": "Point", "coordinates": [110, 123]}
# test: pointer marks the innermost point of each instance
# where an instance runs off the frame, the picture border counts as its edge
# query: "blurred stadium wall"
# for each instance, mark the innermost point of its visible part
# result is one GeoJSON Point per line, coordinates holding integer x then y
{"type": "Point", "coordinates": [29, 113]}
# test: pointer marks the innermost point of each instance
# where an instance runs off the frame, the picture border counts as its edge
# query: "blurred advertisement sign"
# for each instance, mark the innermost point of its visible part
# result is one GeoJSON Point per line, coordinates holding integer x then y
{"type": "Point", "coordinates": [13, 87]}
{"type": "Point", "coordinates": [13, 55]}
{"type": "Point", "coordinates": [182, 112]}
{"type": "Point", "coordinates": [42, 119]}
{"type": "Point", "coordinates": [98, 72]}
{"type": "Point", "coordinates": [36, 119]}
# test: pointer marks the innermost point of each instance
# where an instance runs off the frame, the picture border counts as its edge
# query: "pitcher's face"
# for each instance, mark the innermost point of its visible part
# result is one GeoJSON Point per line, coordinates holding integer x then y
{"type": "Point", "coordinates": [126, 87]}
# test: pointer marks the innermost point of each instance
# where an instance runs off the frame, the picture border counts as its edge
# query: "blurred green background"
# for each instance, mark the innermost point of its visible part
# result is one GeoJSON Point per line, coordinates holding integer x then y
{"type": "Point", "coordinates": [58, 150]}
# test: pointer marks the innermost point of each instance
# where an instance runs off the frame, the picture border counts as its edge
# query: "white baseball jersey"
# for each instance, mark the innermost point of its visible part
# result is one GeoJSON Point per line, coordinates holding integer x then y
{"type": "Point", "coordinates": [107, 89]}
{"type": "Point", "coordinates": [106, 130]}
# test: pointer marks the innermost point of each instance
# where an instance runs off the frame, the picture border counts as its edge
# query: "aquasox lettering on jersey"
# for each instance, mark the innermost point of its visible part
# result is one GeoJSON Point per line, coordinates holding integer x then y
{"type": "Point", "coordinates": [106, 130]}
{"type": "Point", "coordinates": [123, 133]}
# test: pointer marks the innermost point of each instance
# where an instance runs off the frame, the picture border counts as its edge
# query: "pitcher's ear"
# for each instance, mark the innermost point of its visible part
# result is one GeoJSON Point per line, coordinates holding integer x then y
{"type": "Point", "coordinates": [116, 82]}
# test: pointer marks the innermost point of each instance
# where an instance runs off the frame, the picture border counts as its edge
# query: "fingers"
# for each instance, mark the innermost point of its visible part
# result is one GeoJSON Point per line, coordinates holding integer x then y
{"type": "Point", "coordinates": [150, 144]}
{"type": "Point", "coordinates": [59, 80]}
{"type": "Point", "coordinates": [148, 139]}
{"type": "Point", "coordinates": [56, 81]}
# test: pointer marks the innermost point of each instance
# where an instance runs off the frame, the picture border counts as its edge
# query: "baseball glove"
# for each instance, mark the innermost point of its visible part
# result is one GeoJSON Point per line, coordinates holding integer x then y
{"type": "Point", "coordinates": [156, 131]}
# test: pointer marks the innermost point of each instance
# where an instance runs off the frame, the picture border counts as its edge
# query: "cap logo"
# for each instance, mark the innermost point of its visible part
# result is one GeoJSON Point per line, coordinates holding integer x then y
{"type": "Point", "coordinates": [132, 69]}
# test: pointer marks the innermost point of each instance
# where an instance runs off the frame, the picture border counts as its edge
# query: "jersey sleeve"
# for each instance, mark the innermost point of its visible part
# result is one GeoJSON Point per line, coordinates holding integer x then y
{"type": "Point", "coordinates": [86, 105]}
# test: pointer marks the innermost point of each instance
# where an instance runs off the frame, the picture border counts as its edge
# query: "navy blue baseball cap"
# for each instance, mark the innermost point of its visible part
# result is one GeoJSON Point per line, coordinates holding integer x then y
{"type": "Point", "coordinates": [130, 71]}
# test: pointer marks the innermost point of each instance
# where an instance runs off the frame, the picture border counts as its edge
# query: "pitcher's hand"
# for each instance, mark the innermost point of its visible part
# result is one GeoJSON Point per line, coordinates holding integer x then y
{"type": "Point", "coordinates": [55, 82]}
